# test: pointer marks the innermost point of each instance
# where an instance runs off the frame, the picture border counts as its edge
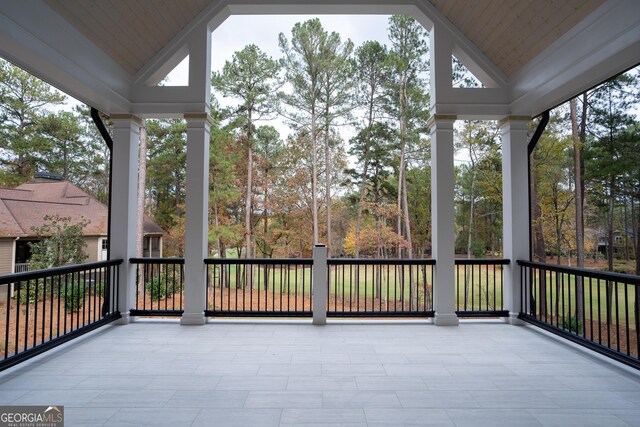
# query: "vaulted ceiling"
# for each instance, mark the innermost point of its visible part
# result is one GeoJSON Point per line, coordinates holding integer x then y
{"type": "Point", "coordinates": [509, 32]}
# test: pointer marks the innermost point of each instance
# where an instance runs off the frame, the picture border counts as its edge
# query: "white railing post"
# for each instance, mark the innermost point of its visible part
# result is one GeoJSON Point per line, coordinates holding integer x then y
{"type": "Point", "coordinates": [320, 286]}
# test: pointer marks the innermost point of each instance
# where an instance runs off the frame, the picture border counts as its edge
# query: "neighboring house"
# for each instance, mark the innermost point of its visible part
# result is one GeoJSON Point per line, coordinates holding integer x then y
{"type": "Point", "coordinates": [618, 241]}
{"type": "Point", "coordinates": [25, 206]}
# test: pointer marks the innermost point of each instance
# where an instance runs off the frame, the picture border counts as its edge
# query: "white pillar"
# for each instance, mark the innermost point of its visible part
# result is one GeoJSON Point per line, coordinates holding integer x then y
{"type": "Point", "coordinates": [515, 208]}
{"type": "Point", "coordinates": [124, 185]}
{"type": "Point", "coordinates": [442, 214]}
{"type": "Point", "coordinates": [197, 208]}
{"type": "Point", "coordinates": [320, 288]}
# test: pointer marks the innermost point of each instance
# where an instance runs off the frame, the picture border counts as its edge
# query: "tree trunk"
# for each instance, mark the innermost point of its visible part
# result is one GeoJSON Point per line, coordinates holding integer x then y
{"type": "Point", "coordinates": [624, 230]}
{"type": "Point", "coordinates": [610, 247]}
{"type": "Point", "coordinates": [539, 251]}
{"type": "Point", "coordinates": [579, 199]}
{"type": "Point", "coordinates": [327, 160]}
{"type": "Point", "coordinates": [142, 177]}
{"type": "Point", "coordinates": [314, 174]}
{"type": "Point", "coordinates": [413, 288]}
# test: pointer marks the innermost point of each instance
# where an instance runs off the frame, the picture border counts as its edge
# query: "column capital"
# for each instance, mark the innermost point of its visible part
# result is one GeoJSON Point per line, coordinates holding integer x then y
{"type": "Point", "coordinates": [444, 121]}
{"type": "Point", "coordinates": [197, 119]}
{"type": "Point", "coordinates": [514, 121]}
{"type": "Point", "coordinates": [124, 118]}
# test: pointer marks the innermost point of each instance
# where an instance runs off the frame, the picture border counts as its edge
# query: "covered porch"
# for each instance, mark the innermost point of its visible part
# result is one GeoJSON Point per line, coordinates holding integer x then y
{"type": "Point", "coordinates": [108, 367]}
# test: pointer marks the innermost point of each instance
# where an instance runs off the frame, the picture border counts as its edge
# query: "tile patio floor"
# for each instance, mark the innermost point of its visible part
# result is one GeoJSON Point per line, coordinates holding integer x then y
{"type": "Point", "coordinates": [267, 374]}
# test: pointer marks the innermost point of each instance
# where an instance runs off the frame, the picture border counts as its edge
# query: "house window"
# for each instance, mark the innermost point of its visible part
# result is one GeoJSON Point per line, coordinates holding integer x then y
{"type": "Point", "coordinates": [105, 244]}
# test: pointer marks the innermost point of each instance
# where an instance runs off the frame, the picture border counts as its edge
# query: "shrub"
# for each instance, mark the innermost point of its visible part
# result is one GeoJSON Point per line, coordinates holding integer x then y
{"type": "Point", "coordinates": [30, 292]}
{"type": "Point", "coordinates": [572, 324]}
{"type": "Point", "coordinates": [73, 297]}
{"type": "Point", "coordinates": [160, 288]}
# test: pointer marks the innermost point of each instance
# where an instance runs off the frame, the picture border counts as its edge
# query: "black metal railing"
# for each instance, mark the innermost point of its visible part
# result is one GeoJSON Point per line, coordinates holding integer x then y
{"type": "Point", "coordinates": [479, 287]}
{"type": "Point", "coordinates": [380, 287]}
{"type": "Point", "coordinates": [597, 309]}
{"type": "Point", "coordinates": [49, 307]}
{"type": "Point", "coordinates": [259, 287]}
{"type": "Point", "coordinates": [159, 286]}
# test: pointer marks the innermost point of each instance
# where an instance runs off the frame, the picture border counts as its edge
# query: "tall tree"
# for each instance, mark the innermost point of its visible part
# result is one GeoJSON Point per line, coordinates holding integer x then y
{"type": "Point", "coordinates": [23, 104]}
{"type": "Point", "coordinates": [372, 71]}
{"type": "Point", "coordinates": [303, 62]}
{"type": "Point", "coordinates": [336, 84]}
{"type": "Point", "coordinates": [252, 78]}
{"type": "Point", "coordinates": [407, 57]}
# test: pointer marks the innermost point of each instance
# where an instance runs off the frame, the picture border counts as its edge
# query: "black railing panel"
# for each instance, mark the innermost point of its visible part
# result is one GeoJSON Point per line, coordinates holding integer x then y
{"type": "Point", "coordinates": [259, 287]}
{"type": "Point", "coordinates": [380, 287]}
{"type": "Point", "coordinates": [479, 287]}
{"type": "Point", "coordinates": [43, 308]}
{"type": "Point", "coordinates": [594, 308]}
{"type": "Point", "coordinates": [159, 286]}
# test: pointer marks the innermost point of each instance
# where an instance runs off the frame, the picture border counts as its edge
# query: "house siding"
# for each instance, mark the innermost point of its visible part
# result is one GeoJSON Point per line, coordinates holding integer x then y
{"type": "Point", "coordinates": [92, 248]}
{"type": "Point", "coordinates": [6, 256]}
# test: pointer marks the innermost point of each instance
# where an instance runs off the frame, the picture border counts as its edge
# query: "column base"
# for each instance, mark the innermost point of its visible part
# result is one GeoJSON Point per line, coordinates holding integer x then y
{"type": "Point", "coordinates": [445, 319]}
{"type": "Point", "coordinates": [513, 319]}
{"type": "Point", "coordinates": [319, 321]}
{"type": "Point", "coordinates": [125, 319]}
{"type": "Point", "coordinates": [193, 319]}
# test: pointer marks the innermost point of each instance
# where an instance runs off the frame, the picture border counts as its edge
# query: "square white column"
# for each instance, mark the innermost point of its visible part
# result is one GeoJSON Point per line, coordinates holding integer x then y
{"type": "Point", "coordinates": [442, 215]}
{"type": "Point", "coordinates": [126, 136]}
{"type": "Point", "coordinates": [515, 208]}
{"type": "Point", "coordinates": [197, 209]}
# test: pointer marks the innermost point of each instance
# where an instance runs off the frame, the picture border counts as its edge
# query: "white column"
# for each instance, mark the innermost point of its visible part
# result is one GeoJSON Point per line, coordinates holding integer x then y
{"type": "Point", "coordinates": [442, 214]}
{"type": "Point", "coordinates": [197, 208]}
{"type": "Point", "coordinates": [320, 288]}
{"type": "Point", "coordinates": [124, 185]}
{"type": "Point", "coordinates": [515, 208]}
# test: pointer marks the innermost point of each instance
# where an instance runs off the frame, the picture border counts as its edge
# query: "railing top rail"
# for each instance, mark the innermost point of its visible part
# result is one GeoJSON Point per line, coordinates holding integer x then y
{"type": "Point", "coordinates": [39, 274]}
{"type": "Point", "coordinates": [482, 261]}
{"type": "Point", "coordinates": [156, 260]}
{"type": "Point", "coordinates": [595, 274]}
{"type": "Point", "coordinates": [261, 261]}
{"type": "Point", "coordinates": [378, 261]}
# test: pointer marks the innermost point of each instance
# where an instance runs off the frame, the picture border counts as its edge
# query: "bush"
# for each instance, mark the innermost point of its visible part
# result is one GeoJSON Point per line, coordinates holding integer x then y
{"type": "Point", "coordinates": [73, 297]}
{"type": "Point", "coordinates": [30, 292]}
{"type": "Point", "coordinates": [572, 324]}
{"type": "Point", "coordinates": [159, 288]}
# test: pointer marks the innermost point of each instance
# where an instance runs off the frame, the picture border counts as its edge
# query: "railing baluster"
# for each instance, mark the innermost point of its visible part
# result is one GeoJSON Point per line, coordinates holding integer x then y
{"type": "Point", "coordinates": [613, 336]}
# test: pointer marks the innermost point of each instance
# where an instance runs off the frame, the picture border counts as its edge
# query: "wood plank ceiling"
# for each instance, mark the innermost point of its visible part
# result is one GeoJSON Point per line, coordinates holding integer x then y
{"type": "Point", "coordinates": [513, 32]}
{"type": "Point", "coordinates": [130, 31]}
{"type": "Point", "coordinates": [509, 32]}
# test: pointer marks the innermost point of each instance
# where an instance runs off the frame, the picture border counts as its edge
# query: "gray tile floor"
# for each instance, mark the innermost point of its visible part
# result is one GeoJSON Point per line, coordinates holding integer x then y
{"type": "Point", "coordinates": [267, 374]}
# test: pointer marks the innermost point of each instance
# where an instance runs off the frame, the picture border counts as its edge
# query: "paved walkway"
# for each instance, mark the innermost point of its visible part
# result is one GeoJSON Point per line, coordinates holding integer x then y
{"type": "Point", "coordinates": [265, 374]}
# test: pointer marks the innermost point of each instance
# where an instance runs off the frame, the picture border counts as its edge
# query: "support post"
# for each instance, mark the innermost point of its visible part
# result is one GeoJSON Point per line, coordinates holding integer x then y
{"type": "Point", "coordinates": [126, 136]}
{"type": "Point", "coordinates": [320, 285]}
{"type": "Point", "coordinates": [515, 207]}
{"type": "Point", "coordinates": [442, 214]}
{"type": "Point", "coordinates": [197, 208]}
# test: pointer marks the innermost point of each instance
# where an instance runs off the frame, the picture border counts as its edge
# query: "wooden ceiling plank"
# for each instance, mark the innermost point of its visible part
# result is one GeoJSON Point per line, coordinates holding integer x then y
{"type": "Point", "coordinates": [561, 22]}
{"type": "Point", "coordinates": [79, 15]}
{"type": "Point", "coordinates": [124, 35]}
